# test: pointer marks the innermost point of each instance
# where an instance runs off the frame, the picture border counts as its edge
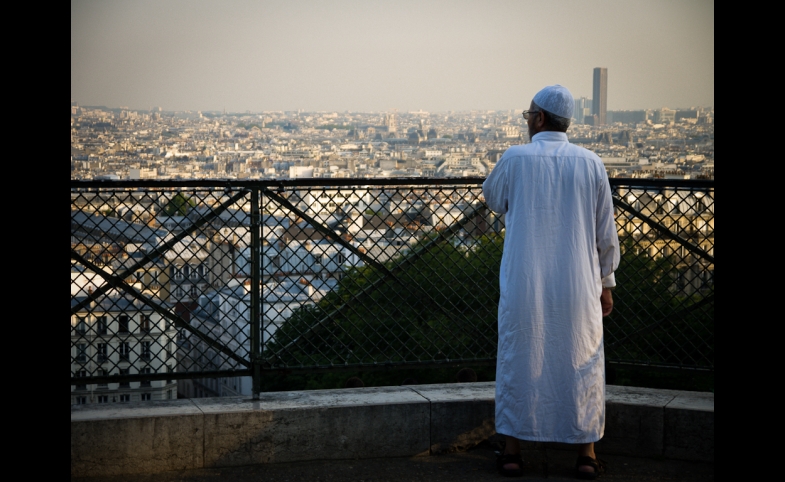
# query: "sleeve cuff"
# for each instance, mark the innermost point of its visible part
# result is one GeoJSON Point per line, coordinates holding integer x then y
{"type": "Point", "coordinates": [609, 281]}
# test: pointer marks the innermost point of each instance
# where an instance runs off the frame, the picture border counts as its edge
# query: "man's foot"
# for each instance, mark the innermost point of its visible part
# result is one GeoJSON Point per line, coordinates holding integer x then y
{"type": "Point", "coordinates": [510, 465]}
{"type": "Point", "coordinates": [589, 468]}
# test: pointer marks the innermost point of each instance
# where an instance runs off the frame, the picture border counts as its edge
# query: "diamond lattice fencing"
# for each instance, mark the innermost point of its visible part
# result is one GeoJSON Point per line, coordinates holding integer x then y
{"type": "Point", "coordinates": [204, 280]}
{"type": "Point", "coordinates": [664, 313]}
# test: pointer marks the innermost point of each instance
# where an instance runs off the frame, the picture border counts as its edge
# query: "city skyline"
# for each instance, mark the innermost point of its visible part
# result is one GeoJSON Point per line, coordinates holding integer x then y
{"type": "Point", "coordinates": [371, 57]}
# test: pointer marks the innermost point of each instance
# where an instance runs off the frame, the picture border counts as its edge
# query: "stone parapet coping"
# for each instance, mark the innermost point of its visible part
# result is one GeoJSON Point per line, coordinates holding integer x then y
{"type": "Point", "coordinates": [150, 437]}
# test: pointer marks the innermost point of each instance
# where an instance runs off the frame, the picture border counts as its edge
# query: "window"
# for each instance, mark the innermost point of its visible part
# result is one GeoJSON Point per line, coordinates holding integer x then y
{"type": "Point", "coordinates": [100, 325]}
{"type": "Point", "coordinates": [193, 292]}
{"type": "Point", "coordinates": [145, 355]}
{"type": "Point", "coordinates": [145, 323]}
{"type": "Point", "coordinates": [102, 373]}
{"type": "Point", "coordinates": [81, 352]}
{"type": "Point", "coordinates": [81, 326]}
{"type": "Point", "coordinates": [195, 272]}
{"type": "Point", "coordinates": [124, 371]}
{"type": "Point", "coordinates": [178, 292]}
{"type": "Point", "coordinates": [81, 400]}
{"type": "Point", "coordinates": [101, 352]}
{"type": "Point", "coordinates": [178, 273]}
{"type": "Point", "coordinates": [81, 374]}
{"type": "Point", "coordinates": [186, 271]}
{"type": "Point", "coordinates": [146, 396]}
{"type": "Point", "coordinates": [103, 398]}
{"type": "Point", "coordinates": [125, 397]}
{"type": "Point", "coordinates": [122, 321]}
{"type": "Point", "coordinates": [125, 350]}
{"type": "Point", "coordinates": [145, 383]}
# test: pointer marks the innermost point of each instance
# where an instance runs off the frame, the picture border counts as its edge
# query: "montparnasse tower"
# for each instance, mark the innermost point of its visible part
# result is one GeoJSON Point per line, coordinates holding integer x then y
{"type": "Point", "coordinates": [599, 101]}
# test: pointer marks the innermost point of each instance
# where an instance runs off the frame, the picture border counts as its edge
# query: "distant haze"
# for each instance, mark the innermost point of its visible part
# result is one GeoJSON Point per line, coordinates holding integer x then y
{"type": "Point", "coordinates": [380, 55]}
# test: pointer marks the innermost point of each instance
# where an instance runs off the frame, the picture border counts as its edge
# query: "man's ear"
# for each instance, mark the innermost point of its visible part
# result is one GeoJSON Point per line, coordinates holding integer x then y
{"type": "Point", "coordinates": [540, 121]}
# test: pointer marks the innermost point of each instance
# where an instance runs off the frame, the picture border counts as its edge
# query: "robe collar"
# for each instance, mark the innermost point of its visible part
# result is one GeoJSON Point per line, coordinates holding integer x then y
{"type": "Point", "coordinates": [550, 136]}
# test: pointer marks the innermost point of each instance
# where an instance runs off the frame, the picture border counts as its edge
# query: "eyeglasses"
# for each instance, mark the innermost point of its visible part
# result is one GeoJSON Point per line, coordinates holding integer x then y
{"type": "Point", "coordinates": [527, 113]}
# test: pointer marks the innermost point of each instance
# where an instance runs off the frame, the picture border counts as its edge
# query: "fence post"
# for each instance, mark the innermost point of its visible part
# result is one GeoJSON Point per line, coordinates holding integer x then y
{"type": "Point", "coordinates": [256, 298]}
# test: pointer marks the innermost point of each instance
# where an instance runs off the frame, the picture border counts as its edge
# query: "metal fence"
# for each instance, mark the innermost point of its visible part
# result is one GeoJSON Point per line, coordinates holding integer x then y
{"type": "Point", "coordinates": [238, 280]}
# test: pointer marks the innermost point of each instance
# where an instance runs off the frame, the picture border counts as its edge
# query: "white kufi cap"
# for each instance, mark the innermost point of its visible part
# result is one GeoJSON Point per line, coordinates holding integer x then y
{"type": "Point", "coordinates": [556, 100]}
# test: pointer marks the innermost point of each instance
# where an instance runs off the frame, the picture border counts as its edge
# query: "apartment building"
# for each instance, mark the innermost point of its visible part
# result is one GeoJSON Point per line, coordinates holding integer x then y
{"type": "Point", "coordinates": [119, 336]}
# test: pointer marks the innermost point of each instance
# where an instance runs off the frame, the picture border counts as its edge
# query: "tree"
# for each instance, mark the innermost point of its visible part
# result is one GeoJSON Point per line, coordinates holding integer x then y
{"type": "Point", "coordinates": [653, 320]}
{"type": "Point", "coordinates": [441, 308]}
{"type": "Point", "coordinates": [179, 205]}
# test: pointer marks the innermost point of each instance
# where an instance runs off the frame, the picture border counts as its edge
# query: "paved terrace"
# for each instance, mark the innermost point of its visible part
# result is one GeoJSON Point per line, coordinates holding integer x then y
{"type": "Point", "coordinates": [476, 464]}
{"type": "Point", "coordinates": [426, 432]}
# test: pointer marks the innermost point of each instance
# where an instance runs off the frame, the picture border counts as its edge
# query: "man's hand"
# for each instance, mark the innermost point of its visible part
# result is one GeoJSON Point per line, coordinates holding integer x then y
{"type": "Point", "coordinates": [606, 301]}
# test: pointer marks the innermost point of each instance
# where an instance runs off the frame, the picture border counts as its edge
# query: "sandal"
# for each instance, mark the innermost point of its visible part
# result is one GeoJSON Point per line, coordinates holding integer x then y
{"type": "Point", "coordinates": [504, 459]}
{"type": "Point", "coordinates": [597, 464]}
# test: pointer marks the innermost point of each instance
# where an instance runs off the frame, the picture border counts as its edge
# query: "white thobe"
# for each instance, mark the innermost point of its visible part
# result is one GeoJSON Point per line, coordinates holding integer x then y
{"type": "Point", "coordinates": [560, 249]}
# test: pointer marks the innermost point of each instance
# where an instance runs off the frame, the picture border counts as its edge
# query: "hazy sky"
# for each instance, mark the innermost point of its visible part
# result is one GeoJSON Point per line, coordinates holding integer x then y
{"type": "Point", "coordinates": [372, 55]}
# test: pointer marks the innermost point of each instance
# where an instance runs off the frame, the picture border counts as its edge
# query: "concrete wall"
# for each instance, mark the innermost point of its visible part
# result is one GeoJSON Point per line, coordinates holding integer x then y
{"type": "Point", "coordinates": [149, 437]}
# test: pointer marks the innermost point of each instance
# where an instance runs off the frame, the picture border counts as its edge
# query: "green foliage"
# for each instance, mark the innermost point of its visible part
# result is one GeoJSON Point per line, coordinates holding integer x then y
{"type": "Point", "coordinates": [653, 320]}
{"type": "Point", "coordinates": [179, 205]}
{"type": "Point", "coordinates": [442, 307]}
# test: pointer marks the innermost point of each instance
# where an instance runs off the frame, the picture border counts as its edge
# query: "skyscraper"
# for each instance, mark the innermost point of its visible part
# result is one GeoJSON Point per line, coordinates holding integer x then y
{"type": "Point", "coordinates": [599, 102]}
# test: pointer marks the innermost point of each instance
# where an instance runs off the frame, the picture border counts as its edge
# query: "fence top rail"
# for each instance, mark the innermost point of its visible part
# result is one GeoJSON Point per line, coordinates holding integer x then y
{"type": "Point", "coordinates": [354, 182]}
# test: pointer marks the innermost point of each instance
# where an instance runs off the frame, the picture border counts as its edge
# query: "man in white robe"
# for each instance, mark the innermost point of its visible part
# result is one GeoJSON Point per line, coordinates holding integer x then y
{"type": "Point", "coordinates": [560, 251]}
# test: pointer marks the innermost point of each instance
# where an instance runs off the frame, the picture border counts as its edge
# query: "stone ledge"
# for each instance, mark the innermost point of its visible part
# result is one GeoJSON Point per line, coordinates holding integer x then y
{"type": "Point", "coordinates": [143, 437]}
{"type": "Point", "coordinates": [149, 437]}
{"type": "Point", "coordinates": [650, 422]}
{"type": "Point", "coordinates": [462, 415]}
{"type": "Point", "coordinates": [689, 427]}
{"type": "Point", "coordinates": [309, 425]}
